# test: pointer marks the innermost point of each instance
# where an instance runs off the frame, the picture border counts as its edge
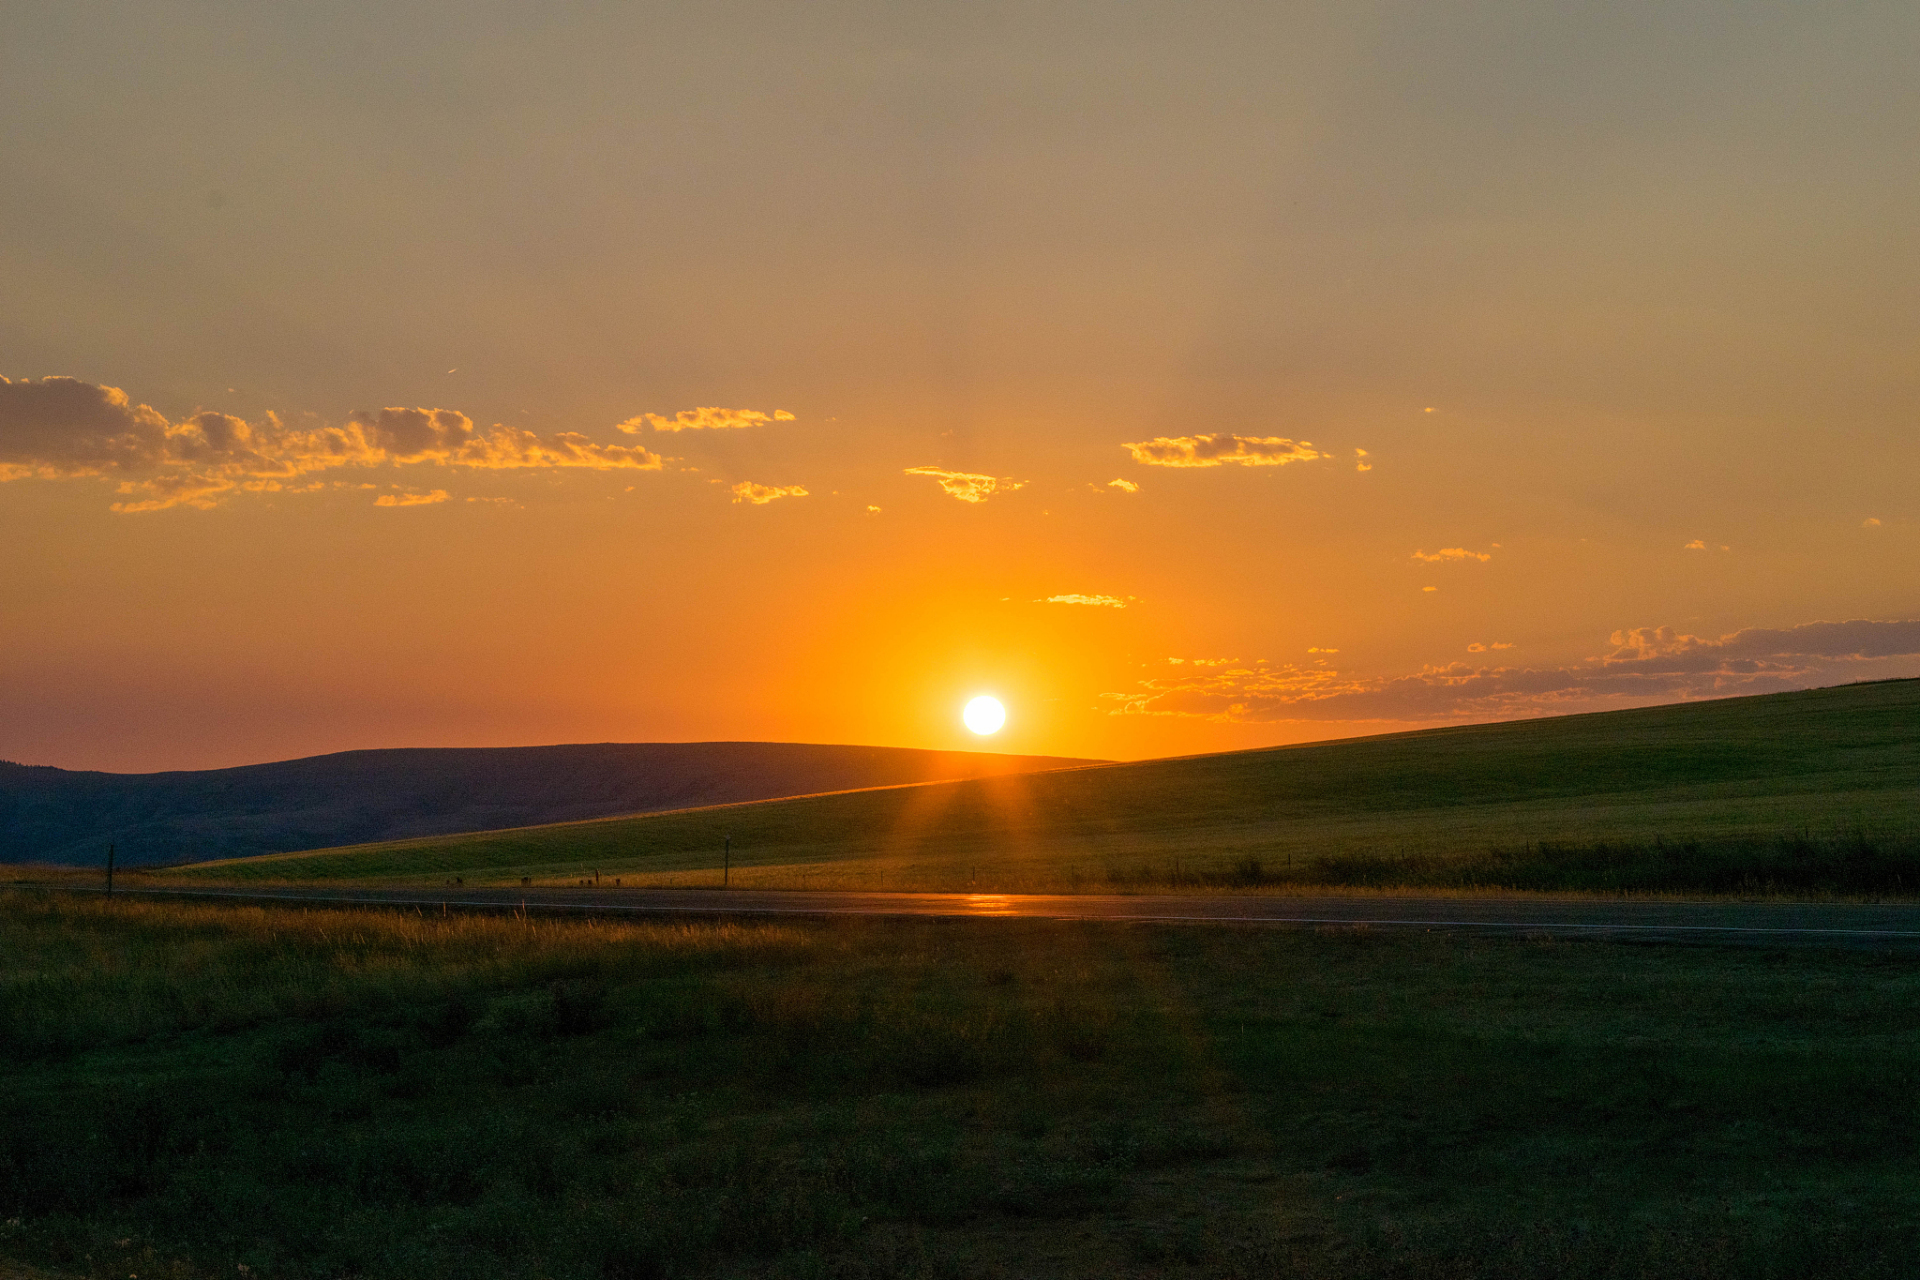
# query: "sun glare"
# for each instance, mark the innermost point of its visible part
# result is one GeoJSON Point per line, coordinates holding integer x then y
{"type": "Point", "coordinates": [984, 715]}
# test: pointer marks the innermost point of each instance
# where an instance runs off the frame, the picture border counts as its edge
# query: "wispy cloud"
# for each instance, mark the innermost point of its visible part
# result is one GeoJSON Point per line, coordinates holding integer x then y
{"type": "Point", "coordinates": [1445, 554]}
{"type": "Point", "coordinates": [761, 494]}
{"type": "Point", "coordinates": [412, 498]}
{"type": "Point", "coordinates": [1362, 460]}
{"type": "Point", "coordinates": [62, 428]}
{"type": "Point", "coordinates": [1109, 602]}
{"type": "Point", "coordinates": [1128, 486]}
{"type": "Point", "coordinates": [1700, 544]}
{"type": "Point", "coordinates": [1644, 664]}
{"type": "Point", "coordinates": [1220, 450]}
{"type": "Point", "coordinates": [705, 418]}
{"type": "Point", "coordinates": [966, 485]}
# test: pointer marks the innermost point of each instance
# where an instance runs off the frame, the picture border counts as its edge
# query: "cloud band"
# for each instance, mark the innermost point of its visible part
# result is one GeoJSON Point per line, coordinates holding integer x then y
{"type": "Point", "coordinates": [1645, 664]}
{"type": "Point", "coordinates": [61, 428]}
{"type": "Point", "coordinates": [1221, 449]}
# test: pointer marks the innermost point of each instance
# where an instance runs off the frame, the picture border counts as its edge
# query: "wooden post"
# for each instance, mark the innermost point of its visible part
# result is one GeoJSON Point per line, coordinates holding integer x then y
{"type": "Point", "coordinates": [109, 871]}
{"type": "Point", "coordinates": [726, 864]}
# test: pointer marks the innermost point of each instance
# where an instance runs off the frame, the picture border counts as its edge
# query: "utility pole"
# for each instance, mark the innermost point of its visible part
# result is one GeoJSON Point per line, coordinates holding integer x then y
{"type": "Point", "coordinates": [726, 864]}
{"type": "Point", "coordinates": [109, 871]}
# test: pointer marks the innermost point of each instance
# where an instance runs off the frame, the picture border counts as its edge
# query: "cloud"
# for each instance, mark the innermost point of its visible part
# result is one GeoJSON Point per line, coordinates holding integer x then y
{"type": "Point", "coordinates": [706, 418]}
{"type": "Point", "coordinates": [1320, 650]}
{"type": "Point", "coordinates": [1698, 545]}
{"type": "Point", "coordinates": [1360, 462]}
{"type": "Point", "coordinates": [1221, 449]}
{"type": "Point", "coordinates": [1645, 664]}
{"type": "Point", "coordinates": [1126, 486]}
{"type": "Point", "coordinates": [1445, 554]}
{"type": "Point", "coordinates": [63, 428]}
{"type": "Point", "coordinates": [761, 494]}
{"type": "Point", "coordinates": [966, 485]}
{"type": "Point", "coordinates": [413, 498]}
{"type": "Point", "coordinates": [1110, 602]}
{"type": "Point", "coordinates": [1871, 522]}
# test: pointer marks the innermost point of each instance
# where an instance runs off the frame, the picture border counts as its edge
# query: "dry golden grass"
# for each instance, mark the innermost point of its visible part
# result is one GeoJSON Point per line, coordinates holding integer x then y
{"type": "Point", "coordinates": [1803, 792]}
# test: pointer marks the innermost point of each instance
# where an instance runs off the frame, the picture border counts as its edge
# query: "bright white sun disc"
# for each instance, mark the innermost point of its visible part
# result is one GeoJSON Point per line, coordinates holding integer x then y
{"type": "Point", "coordinates": [984, 715]}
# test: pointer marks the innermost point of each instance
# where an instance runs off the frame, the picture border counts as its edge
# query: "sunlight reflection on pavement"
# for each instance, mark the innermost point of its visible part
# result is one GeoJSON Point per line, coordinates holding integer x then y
{"type": "Point", "coordinates": [1885, 924]}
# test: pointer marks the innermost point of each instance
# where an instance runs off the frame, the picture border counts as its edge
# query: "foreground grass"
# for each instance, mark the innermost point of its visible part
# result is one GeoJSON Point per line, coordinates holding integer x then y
{"type": "Point", "coordinates": [200, 1091]}
{"type": "Point", "coordinates": [1801, 792]}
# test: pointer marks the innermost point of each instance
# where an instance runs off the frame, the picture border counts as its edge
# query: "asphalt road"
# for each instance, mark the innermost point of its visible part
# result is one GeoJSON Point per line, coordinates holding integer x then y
{"type": "Point", "coordinates": [1879, 926]}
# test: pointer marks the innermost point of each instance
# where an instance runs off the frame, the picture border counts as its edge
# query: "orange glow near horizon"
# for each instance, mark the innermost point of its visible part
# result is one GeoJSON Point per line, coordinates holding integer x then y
{"type": "Point", "coordinates": [1349, 377]}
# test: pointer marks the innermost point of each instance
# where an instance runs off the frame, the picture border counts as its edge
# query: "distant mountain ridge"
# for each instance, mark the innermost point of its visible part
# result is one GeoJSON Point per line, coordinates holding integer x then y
{"type": "Point", "coordinates": [62, 816]}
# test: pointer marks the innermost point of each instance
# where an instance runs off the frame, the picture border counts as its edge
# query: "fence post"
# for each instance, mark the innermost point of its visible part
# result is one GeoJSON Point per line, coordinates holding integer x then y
{"type": "Point", "coordinates": [109, 871]}
{"type": "Point", "coordinates": [726, 864]}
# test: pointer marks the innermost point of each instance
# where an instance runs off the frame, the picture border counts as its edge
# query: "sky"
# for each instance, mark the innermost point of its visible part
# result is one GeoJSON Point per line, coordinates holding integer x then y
{"type": "Point", "coordinates": [1190, 376]}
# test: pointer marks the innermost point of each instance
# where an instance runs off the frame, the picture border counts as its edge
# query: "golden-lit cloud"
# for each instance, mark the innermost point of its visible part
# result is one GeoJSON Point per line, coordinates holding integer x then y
{"type": "Point", "coordinates": [1108, 602]}
{"type": "Point", "coordinates": [967, 485]}
{"type": "Point", "coordinates": [1477, 647]}
{"type": "Point", "coordinates": [706, 418]}
{"type": "Point", "coordinates": [411, 498]}
{"type": "Point", "coordinates": [1221, 450]}
{"type": "Point", "coordinates": [63, 428]}
{"type": "Point", "coordinates": [1699, 544]}
{"type": "Point", "coordinates": [1871, 522]}
{"type": "Point", "coordinates": [761, 494]}
{"type": "Point", "coordinates": [1645, 664]}
{"type": "Point", "coordinates": [1445, 554]}
{"type": "Point", "coordinates": [1362, 460]}
{"type": "Point", "coordinates": [1128, 486]}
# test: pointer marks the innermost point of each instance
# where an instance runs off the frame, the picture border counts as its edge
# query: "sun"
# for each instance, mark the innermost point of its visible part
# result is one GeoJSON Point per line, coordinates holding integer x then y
{"type": "Point", "coordinates": [984, 715]}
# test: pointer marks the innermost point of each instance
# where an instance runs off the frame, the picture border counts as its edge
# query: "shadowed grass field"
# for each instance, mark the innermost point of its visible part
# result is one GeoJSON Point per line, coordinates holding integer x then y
{"type": "Point", "coordinates": [1814, 791]}
{"type": "Point", "coordinates": [199, 1091]}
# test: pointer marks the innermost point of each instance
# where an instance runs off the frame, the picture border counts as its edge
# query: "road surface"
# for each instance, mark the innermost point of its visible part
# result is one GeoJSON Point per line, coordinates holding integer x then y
{"type": "Point", "coordinates": [1883, 925]}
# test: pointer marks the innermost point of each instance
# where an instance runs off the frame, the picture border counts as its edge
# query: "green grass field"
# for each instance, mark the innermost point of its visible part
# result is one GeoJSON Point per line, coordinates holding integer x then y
{"type": "Point", "coordinates": [197, 1091]}
{"type": "Point", "coordinates": [1813, 791]}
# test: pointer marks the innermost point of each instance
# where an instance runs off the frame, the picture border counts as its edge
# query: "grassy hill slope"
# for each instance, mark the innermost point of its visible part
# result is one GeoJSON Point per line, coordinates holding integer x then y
{"type": "Point", "coordinates": [57, 816]}
{"type": "Point", "coordinates": [1828, 777]}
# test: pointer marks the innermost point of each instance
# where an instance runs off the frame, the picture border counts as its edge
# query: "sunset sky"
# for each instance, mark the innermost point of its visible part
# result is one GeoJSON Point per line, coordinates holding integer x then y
{"type": "Point", "coordinates": [1189, 376]}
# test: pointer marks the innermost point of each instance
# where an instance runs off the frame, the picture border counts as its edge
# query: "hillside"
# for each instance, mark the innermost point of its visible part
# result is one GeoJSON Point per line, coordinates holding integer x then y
{"type": "Point", "coordinates": [1813, 765]}
{"type": "Point", "coordinates": [58, 816]}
